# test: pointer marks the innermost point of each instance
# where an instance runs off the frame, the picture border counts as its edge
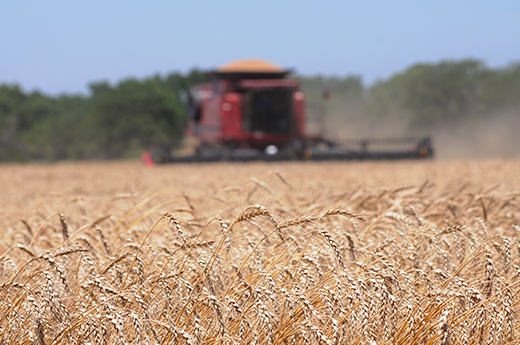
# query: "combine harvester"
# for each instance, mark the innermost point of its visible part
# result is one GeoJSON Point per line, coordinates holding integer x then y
{"type": "Point", "coordinates": [252, 112]}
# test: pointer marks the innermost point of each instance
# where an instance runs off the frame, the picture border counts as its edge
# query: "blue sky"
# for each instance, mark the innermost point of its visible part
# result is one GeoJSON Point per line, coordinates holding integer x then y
{"type": "Point", "coordinates": [62, 46]}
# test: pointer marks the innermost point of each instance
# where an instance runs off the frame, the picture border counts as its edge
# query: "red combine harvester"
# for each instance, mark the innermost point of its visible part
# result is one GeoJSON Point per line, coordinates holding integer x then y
{"type": "Point", "coordinates": [251, 111]}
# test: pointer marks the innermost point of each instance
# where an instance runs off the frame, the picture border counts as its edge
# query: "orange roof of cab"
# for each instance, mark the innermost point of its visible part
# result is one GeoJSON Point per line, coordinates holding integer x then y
{"type": "Point", "coordinates": [250, 65]}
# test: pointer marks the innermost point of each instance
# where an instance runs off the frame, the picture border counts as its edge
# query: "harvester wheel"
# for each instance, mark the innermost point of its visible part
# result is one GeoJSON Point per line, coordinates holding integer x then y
{"type": "Point", "coordinates": [297, 149]}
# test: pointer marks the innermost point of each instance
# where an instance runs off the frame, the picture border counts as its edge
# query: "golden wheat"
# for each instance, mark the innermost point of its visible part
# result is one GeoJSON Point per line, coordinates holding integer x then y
{"type": "Point", "coordinates": [264, 256]}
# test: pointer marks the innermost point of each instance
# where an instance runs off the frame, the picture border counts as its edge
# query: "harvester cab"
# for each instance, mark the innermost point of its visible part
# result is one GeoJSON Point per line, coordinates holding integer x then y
{"type": "Point", "coordinates": [248, 105]}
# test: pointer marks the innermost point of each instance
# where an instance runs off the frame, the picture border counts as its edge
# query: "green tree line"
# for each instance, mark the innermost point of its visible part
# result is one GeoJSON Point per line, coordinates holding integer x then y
{"type": "Point", "coordinates": [122, 120]}
{"type": "Point", "coordinates": [113, 121]}
{"type": "Point", "coordinates": [424, 95]}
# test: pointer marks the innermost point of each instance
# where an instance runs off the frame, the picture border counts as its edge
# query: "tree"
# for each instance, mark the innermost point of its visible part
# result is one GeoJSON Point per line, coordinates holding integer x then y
{"type": "Point", "coordinates": [445, 91]}
{"type": "Point", "coordinates": [134, 115]}
{"type": "Point", "coordinates": [11, 100]}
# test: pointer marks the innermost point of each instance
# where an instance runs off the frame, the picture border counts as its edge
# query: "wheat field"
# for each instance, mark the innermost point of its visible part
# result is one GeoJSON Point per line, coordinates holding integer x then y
{"type": "Point", "coordinates": [290, 253]}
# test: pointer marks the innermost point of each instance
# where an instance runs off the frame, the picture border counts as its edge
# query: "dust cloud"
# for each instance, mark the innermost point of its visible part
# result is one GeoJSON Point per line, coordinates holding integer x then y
{"type": "Point", "coordinates": [496, 136]}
